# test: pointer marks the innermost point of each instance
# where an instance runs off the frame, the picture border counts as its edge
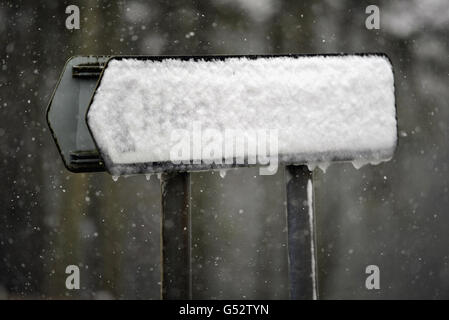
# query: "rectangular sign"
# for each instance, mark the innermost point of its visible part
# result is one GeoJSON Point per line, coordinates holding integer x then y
{"type": "Point", "coordinates": [152, 114]}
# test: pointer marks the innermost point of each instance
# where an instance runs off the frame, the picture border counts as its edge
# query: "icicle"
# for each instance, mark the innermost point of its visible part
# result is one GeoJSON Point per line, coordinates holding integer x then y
{"type": "Point", "coordinates": [311, 166]}
{"type": "Point", "coordinates": [359, 163]}
{"type": "Point", "coordinates": [375, 163]}
{"type": "Point", "coordinates": [323, 166]}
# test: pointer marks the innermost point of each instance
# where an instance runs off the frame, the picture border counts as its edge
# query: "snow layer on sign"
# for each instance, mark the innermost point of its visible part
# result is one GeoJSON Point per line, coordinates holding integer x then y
{"type": "Point", "coordinates": [324, 108]}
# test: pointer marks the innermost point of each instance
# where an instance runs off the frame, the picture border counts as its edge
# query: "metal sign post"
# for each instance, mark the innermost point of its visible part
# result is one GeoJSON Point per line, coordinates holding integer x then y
{"type": "Point", "coordinates": [176, 236]}
{"type": "Point", "coordinates": [301, 234]}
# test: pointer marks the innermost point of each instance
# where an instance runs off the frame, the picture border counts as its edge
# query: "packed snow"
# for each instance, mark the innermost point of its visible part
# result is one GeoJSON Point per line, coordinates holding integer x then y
{"type": "Point", "coordinates": [323, 108]}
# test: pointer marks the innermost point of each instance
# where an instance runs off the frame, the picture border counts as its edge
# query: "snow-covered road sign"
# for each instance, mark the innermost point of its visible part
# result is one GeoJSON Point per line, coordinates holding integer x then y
{"type": "Point", "coordinates": [322, 109]}
{"type": "Point", "coordinates": [319, 108]}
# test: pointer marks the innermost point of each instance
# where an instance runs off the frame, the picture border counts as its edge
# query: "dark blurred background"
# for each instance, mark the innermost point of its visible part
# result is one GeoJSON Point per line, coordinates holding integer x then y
{"type": "Point", "coordinates": [393, 215]}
